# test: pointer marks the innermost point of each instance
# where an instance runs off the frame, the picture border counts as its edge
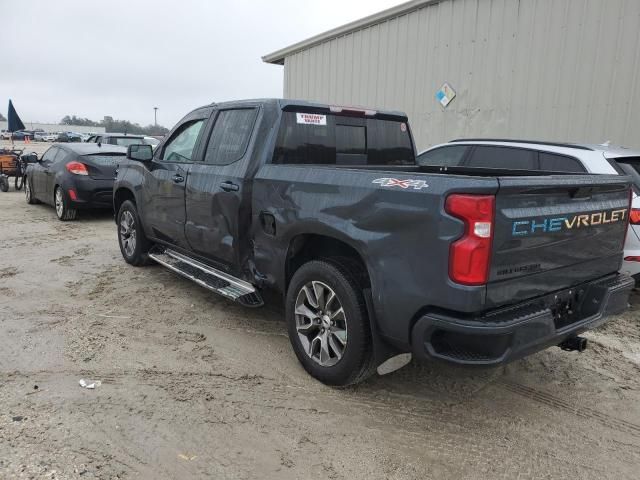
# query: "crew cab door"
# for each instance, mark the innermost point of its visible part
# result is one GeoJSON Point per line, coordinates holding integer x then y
{"type": "Point", "coordinates": [218, 202]}
{"type": "Point", "coordinates": [165, 181]}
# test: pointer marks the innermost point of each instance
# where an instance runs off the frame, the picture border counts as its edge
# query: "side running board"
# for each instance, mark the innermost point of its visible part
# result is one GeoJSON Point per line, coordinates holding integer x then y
{"type": "Point", "coordinates": [208, 277]}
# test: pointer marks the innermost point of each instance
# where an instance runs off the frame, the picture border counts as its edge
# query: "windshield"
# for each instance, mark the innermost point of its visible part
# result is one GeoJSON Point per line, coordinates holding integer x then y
{"type": "Point", "coordinates": [330, 139]}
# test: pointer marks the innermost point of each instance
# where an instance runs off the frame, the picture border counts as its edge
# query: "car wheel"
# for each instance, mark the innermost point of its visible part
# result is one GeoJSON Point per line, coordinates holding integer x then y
{"type": "Point", "coordinates": [328, 324]}
{"type": "Point", "coordinates": [62, 206]}
{"type": "Point", "coordinates": [134, 245]}
{"type": "Point", "coordinates": [18, 183]}
{"type": "Point", "coordinates": [28, 192]}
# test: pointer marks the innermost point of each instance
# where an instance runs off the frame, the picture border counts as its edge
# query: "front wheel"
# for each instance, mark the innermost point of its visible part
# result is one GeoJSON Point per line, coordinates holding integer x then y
{"type": "Point", "coordinates": [63, 210]}
{"type": "Point", "coordinates": [28, 192]}
{"type": "Point", "coordinates": [131, 238]}
{"type": "Point", "coordinates": [328, 323]}
{"type": "Point", "coordinates": [18, 183]}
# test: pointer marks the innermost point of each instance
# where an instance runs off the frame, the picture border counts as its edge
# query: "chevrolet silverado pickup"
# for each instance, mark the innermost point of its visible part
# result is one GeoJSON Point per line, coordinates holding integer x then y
{"type": "Point", "coordinates": [377, 259]}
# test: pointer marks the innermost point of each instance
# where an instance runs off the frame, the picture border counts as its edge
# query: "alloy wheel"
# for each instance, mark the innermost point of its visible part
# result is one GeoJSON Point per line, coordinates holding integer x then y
{"type": "Point", "coordinates": [127, 233]}
{"type": "Point", "coordinates": [321, 323]}
{"type": "Point", "coordinates": [59, 202]}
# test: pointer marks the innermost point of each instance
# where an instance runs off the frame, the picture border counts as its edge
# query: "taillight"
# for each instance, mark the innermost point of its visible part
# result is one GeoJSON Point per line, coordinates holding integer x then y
{"type": "Point", "coordinates": [634, 216]}
{"type": "Point", "coordinates": [470, 255]}
{"type": "Point", "coordinates": [77, 168]}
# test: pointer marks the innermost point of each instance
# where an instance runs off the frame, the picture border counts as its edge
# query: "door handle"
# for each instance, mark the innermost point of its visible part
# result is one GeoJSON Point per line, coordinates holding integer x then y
{"type": "Point", "coordinates": [177, 178]}
{"type": "Point", "coordinates": [229, 187]}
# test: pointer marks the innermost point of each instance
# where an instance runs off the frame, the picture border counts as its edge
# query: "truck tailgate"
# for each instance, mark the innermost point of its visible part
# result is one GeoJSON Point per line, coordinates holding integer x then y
{"type": "Point", "coordinates": [554, 232]}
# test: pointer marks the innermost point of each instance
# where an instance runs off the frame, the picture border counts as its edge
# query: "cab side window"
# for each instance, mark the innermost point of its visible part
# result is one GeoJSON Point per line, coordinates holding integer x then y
{"type": "Point", "coordinates": [179, 148]}
{"type": "Point", "coordinates": [230, 136]}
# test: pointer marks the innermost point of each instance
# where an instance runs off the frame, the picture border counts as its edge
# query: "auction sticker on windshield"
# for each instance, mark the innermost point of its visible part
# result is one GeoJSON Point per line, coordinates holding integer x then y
{"type": "Point", "coordinates": [311, 119]}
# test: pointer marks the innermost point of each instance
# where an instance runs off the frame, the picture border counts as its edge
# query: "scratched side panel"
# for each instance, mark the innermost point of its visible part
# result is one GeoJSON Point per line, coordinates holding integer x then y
{"type": "Point", "coordinates": [403, 235]}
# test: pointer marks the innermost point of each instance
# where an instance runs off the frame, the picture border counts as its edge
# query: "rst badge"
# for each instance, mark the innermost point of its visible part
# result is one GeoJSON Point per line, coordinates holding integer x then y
{"type": "Point", "coordinates": [395, 182]}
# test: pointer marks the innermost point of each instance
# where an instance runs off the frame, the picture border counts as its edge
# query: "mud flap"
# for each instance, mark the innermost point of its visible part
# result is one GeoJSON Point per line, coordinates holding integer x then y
{"type": "Point", "coordinates": [386, 357]}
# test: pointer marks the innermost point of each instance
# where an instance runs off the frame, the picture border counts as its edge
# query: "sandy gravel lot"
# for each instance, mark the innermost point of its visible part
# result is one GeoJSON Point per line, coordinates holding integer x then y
{"type": "Point", "coordinates": [194, 386]}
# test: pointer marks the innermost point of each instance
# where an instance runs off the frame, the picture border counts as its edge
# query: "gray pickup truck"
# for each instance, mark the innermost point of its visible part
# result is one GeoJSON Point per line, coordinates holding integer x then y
{"type": "Point", "coordinates": [377, 259]}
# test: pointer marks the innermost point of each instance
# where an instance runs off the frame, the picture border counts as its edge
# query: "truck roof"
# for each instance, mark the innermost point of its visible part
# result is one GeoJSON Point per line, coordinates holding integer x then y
{"type": "Point", "coordinates": [283, 103]}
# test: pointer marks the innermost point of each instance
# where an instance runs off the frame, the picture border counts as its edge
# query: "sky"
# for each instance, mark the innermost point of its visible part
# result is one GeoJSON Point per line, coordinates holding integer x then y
{"type": "Point", "coordinates": [122, 58]}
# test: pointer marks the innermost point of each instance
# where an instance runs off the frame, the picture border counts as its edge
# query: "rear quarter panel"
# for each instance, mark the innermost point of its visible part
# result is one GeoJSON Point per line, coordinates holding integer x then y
{"type": "Point", "coordinates": [402, 234]}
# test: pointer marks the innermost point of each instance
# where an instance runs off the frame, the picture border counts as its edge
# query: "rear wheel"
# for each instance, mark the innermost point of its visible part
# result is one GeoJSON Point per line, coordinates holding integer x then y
{"type": "Point", "coordinates": [134, 245]}
{"type": "Point", "coordinates": [328, 324]}
{"type": "Point", "coordinates": [64, 212]}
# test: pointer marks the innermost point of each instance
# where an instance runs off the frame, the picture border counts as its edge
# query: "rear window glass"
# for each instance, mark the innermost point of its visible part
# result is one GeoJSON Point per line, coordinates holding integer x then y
{"type": "Point", "coordinates": [559, 163]}
{"type": "Point", "coordinates": [503, 158]}
{"type": "Point", "coordinates": [113, 159]}
{"type": "Point", "coordinates": [444, 157]}
{"type": "Point", "coordinates": [341, 140]}
{"type": "Point", "coordinates": [629, 166]}
{"type": "Point", "coordinates": [126, 141]}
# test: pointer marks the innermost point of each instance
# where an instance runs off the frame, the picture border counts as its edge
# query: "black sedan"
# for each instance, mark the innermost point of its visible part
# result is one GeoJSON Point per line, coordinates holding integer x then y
{"type": "Point", "coordinates": [74, 176]}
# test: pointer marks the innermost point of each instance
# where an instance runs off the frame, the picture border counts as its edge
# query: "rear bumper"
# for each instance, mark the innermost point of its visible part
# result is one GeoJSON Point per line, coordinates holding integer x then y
{"type": "Point", "coordinates": [507, 334]}
{"type": "Point", "coordinates": [91, 193]}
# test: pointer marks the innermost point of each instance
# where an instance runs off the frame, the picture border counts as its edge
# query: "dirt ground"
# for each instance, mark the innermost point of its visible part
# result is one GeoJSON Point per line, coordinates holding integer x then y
{"type": "Point", "coordinates": [194, 386]}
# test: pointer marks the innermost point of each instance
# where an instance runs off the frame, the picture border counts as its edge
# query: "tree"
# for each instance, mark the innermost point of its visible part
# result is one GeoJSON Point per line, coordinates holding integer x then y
{"type": "Point", "coordinates": [118, 126]}
{"type": "Point", "coordinates": [2, 118]}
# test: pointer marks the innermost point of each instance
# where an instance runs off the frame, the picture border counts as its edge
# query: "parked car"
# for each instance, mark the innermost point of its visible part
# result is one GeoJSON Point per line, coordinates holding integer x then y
{"type": "Point", "coordinates": [39, 136]}
{"type": "Point", "coordinates": [121, 139]}
{"type": "Point", "coordinates": [5, 135]}
{"type": "Point", "coordinates": [555, 157]}
{"type": "Point", "coordinates": [74, 176]}
{"type": "Point", "coordinates": [66, 137]}
{"type": "Point", "coordinates": [22, 135]}
{"type": "Point", "coordinates": [375, 257]}
{"type": "Point", "coordinates": [154, 142]}
{"type": "Point", "coordinates": [50, 137]}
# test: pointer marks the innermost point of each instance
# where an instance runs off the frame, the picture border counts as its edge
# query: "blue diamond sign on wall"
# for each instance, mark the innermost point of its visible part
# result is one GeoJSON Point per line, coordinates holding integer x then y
{"type": "Point", "coordinates": [445, 95]}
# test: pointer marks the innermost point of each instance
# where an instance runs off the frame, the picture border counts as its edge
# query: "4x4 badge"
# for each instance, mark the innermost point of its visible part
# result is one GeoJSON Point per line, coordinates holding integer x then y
{"type": "Point", "coordinates": [395, 182]}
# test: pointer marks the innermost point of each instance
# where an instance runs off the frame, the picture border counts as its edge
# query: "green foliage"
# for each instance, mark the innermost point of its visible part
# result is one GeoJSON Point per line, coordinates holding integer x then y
{"type": "Point", "coordinates": [118, 126]}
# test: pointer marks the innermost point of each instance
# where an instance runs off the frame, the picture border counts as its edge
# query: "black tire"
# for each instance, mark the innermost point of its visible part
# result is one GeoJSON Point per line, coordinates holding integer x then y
{"type": "Point", "coordinates": [64, 212]}
{"type": "Point", "coordinates": [28, 192]}
{"type": "Point", "coordinates": [356, 363]}
{"type": "Point", "coordinates": [136, 256]}
{"type": "Point", "coordinates": [4, 183]}
{"type": "Point", "coordinates": [18, 183]}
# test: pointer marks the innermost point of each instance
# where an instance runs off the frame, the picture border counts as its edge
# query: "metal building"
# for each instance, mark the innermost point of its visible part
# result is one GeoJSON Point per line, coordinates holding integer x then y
{"type": "Point", "coordinates": [562, 70]}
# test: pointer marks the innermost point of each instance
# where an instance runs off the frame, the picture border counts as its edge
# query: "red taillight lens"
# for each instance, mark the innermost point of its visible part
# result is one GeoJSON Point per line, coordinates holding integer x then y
{"type": "Point", "coordinates": [77, 168]}
{"type": "Point", "coordinates": [470, 255]}
{"type": "Point", "coordinates": [634, 216]}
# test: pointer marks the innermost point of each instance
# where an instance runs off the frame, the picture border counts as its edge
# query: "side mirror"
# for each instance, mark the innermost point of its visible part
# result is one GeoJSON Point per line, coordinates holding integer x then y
{"type": "Point", "coordinates": [30, 157]}
{"type": "Point", "coordinates": [141, 153]}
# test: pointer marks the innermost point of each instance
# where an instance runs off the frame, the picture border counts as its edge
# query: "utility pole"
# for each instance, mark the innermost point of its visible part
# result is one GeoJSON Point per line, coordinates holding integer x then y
{"type": "Point", "coordinates": [155, 116]}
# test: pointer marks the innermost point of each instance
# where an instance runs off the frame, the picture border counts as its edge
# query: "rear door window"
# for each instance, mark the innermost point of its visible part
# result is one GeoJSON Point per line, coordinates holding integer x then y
{"type": "Point", "coordinates": [559, 163]}
{"type": "Point", "coordinates": [50, 154]}
{"type": "Point", "coordinates": [503, 158]}
{"type": "Point", "coordinates": [444, 157]}
{"type": "Point", "coordinates": [230, 136]}
{"type": "Point", "coordinates": [330, 139]}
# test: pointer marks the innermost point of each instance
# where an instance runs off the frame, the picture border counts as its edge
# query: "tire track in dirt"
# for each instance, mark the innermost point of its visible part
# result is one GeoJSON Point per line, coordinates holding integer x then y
{"type": "Point", "coordinates": [583, 412]}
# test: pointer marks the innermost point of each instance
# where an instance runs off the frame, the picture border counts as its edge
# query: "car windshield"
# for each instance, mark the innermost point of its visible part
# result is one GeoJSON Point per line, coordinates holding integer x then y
{"type": "Point", "coordinates": [126, 141]}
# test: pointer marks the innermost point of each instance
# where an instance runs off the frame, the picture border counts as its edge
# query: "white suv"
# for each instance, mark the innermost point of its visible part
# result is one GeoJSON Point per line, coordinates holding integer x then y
{"type": "Point", "coordinates": [552, 157]}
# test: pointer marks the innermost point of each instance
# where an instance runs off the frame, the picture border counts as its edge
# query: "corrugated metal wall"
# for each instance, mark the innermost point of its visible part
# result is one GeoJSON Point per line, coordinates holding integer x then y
{"type": "Point", "coordinates": [566, 70]}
